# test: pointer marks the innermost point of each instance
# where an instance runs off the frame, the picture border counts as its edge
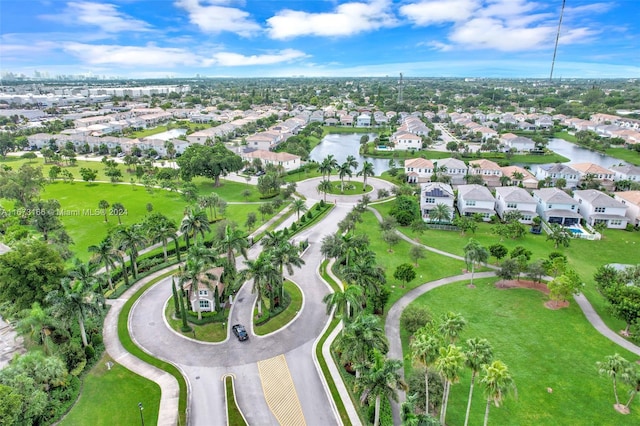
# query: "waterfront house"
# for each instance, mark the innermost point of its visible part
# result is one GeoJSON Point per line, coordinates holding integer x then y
{"type": "Point", "coordinates": [418, 170]}
{"type": "Point", "coordinates": [555, 206]}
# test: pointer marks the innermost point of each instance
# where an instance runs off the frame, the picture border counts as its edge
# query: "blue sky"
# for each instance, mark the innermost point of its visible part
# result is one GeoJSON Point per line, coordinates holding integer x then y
{"type": "Point", "coordinates": [274, 38]}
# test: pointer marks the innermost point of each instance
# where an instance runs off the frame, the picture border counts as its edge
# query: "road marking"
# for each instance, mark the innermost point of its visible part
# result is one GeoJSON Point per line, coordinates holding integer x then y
{"type": "Point", "coordinates": [280, 392]}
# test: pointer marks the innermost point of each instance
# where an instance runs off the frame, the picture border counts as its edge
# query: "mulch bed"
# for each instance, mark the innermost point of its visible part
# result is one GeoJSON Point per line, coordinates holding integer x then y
{"type": "Point", "coordinates": [541, 287]}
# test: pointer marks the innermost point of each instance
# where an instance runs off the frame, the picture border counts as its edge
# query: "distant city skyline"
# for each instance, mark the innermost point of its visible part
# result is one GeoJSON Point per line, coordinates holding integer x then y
{"type": "Point", "coordinates": [375, 38]}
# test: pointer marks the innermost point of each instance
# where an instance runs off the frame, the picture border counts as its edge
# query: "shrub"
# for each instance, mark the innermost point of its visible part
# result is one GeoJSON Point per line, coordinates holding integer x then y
{"type": "Point", "coordinates": [310, 214]}
{"type": "Point", "coordinates": [303, 219]}
{"type": "Point", "coordinates": [89, 352]}
{"type": "Point", "coordinates": [294, 226]}
{"type": "Point", "coordinates": [415, 317]}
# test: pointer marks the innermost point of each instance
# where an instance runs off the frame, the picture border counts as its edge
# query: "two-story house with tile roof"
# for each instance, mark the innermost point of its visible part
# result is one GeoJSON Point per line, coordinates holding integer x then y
{"type": "Point", "coordinates": [431, 195]}
{"type": "Point", "coordinates": [404, 141]}
{"type": "Point", "coordinates": [594, 171]}
{"type": "Point", "coordinates": [597, 207]}
{"type": "Point", "coordinates": [631, 199]}
{"type": "Point", "coordinates": [514, 198]}
{"type": "Point", "coordinates": [487, 169]}
{"type": "Point", "coordinates": [555, 206]}
{"type": "Point", "coordinates": [551, 173]}
{"type": "Point", "coordinates": [455, 169]}
{"type": "Point", "coordinates": [418, 170]}
{"type": "Point", "coordinates": [474, 199]}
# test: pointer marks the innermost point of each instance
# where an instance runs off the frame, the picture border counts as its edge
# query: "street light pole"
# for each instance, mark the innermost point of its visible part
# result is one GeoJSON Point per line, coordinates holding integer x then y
{"type": "Point", "coordinates": [141, 416]}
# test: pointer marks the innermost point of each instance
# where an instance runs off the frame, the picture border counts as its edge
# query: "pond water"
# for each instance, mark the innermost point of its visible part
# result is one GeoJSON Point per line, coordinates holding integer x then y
{"type": "Point", "coordinates": [343, 145]}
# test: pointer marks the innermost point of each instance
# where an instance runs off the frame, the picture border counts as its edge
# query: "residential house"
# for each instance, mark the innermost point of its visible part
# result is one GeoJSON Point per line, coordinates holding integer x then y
{"type": "Point", "coordinates": [631, 199]}
{"type": "Point", "coordinates": [519, 143]}
{"type": "Point", "coordinates": [433, 194]}
{"type": "Point", "coordinates": [404, 141]}
{"type": "Point", "coordinates": [520, 177]}
{"type": "Point", "coordinates": [488, 170]}
{"type": "Point", "coordinates": [626, 172]}
{"type": "Point", "coordinates": [598, 207]}
{"type": "Point", "coordinates": [264, 140]}
{"type": "Point", "coordinates": [207, 284]}
{"type": "Point", "coordinates": [475, 199]}
{"type": "Point", "coordinates": [556, 206]}
{"type": "Point", "coordinates": [551, 174]}
{"type": "Point", "coordinates": [514, 198]}
{"type": "Point", "coordinates": [284, 159]}
{"type": "Point", "coordinates": [363, 120]}
{"type": "Point", "coordinates": [454, 169]}
{"type": "Point", "coordinates": [418, 170]}
{"type": "Point", "coordinates": [591, 171]}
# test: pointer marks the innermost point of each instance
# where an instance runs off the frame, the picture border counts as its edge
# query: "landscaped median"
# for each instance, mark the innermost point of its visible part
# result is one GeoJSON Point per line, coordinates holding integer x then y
{"type": "Point", "coordinates": [235, 417]}
{"type": "Point", "coordinates": [275, 322]}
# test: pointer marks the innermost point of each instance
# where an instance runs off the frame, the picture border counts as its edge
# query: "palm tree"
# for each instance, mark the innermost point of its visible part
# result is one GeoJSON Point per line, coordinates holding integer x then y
{"type": "Point", "coordinates": [233, 240]}
{"type": "Point", "coordinates": [451, 325]}
{"type": "Point", "coordinates": [273, 239]}
{"type": "Point", "coordinates": [441, 213]}
{"type": "Point", "coordinates": [478, 353]}
{"type": "Point", "coordinates": [324, 186]}
{"type": "Point", "coordinates": [382, 380]}
{"type": "Point", "coordinates": [194, 268]}
{"type": "Point", "coordinates": [505, 180]}
{"type": "Point", "coordinates": [286, 255]}
{"type": "Point", "coordinates": [424, 348]}
{"type": "Point", "coordinates": [343, 170]}
{"type": "Point", "coordinates": [333, 164]}
{"type": "Point", "coordinates": [85, 272]}
{"type": "Point", "coordinates": [352, 163]}
{"type": "Point", "coordinates": [76, 299]}
{"type": "Point", "coordinates": [264, 275]}
{"type": "Point", "coordinates": [160, 228]}
{"type": "Point", "coordinates": [361, 336]}
{"type": "Point", "coordinates": [103, 205]}
{"type": "Point", "coordinates": [498, 382]}
{"type": "Point", "coordinates": [130, 238]}
{"type": "Point", "coordinates": [118, 209]}
{"type": "Point", "coordinates": [365, 272]}
{"type": "Point", "coordinates": [614, 366]}
{"type": "Point", "coordinates": [475, 253]}
{"type": "Point", "coordinates": [366, 171]}
{"type": "Point", "coordinates": [105, 253]}
{"type": "Point", "coordinates": [299, 206]}
{"type": "Point", "coordinates": [559, 235]}
{"type": "Point", "coordinates": [449, 364]}
{"type": "Point", "coordinates": [346, 302]}
{"type": "Point", "coordinates": [193, 223]}
{"type": "Point", "coordinates": [36, 327]}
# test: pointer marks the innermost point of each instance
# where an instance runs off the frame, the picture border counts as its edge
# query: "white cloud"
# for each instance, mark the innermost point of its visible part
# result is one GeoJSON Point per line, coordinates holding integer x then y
{"type": "Point", "coordinates": [347, 19]}
{"type": "Point", "coordinates": [589, 8]}
{"type": "Point", "coordinates": [132, 56]}
{"type": "Point", "coordinates": [438, 11]}
{"type": "Point", "coordinates": [494, 34]}
{"type": "Point", "coordinates": [210, 17]}
{"type": "Point", "coordinates": [105, 16]}
{"type": "Point", "coordinates": [229, 59]}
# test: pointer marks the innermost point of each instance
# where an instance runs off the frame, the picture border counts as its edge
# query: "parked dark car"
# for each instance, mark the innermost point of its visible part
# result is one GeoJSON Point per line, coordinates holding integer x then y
{"type": "Point", "coordinates": [240, 332]}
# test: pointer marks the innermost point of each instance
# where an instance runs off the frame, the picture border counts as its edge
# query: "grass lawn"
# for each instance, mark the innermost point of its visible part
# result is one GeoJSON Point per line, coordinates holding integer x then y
{"type": "Point", "coordinates": [494, 156]}
{"type": "Point", "coordinates": [234, 416]}
{"type": "Point", "coordinates": [566, 136]}
{"type": "Point", "coordinates": [543, 349]}
{"type": "Point", "coordinates": [628, 155]}
{"type": "Point", "coordinates": [330, 130]}
{"type": "Point", "coordinates": [212, 332]}
{"type": "Point", "coordinates": [111, 397]}
{"type": "Point", "coordinates": [617, 246]}
{"type": "Point", "coordinates": [350, 188]}
{"type": "Point", "coordinates": [284, 317]}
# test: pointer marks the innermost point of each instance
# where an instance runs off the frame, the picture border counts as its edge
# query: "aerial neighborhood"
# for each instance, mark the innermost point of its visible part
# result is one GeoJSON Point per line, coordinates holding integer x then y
{"type": "Point", "coordinates": [243, 251]}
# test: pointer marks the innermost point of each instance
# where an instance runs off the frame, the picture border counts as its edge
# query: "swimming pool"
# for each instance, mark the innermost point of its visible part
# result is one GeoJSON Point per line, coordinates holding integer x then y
{"type": "Point", "coordinates": [576, 231]}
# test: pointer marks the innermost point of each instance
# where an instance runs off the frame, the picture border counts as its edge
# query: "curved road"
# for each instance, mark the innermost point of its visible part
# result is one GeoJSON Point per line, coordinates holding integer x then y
{"type": "Point", "coordinates": [205, 363]}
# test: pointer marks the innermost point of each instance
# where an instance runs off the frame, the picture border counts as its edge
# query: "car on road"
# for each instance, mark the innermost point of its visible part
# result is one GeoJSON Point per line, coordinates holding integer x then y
{"type": "Point", "coordinates": [240, 332]}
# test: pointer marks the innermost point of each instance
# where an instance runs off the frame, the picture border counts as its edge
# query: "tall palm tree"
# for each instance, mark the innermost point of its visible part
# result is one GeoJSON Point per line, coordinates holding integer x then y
{"type": "Point", "coordinates": [441, 213]}
{"type": "Point", "coordinates": [366, 273]}
{"type": "Point", "coordinates": [105, 253]}
{"type": "Point", "coordinates": [193, 223]}
{"type": "Point", "coordinates": [424, 348]}
{"type": "Point", "coordinates": [118, 209]}
{"type": "Point", "coordinates": [286, 255]}
{"type": "Point", "coordinates": [352, 163]}
{"type": "Point", "coordinates": [76, 299]}
{"type": "Point", "coordinates": [616, 367]}
{"type": "Point", "coordinates": [475, 253]}
{"type": "Point", "coordinates": [85, 272]}
{"type": "Point", "coordinates": [103, 205]}
{"type": "Point", "coordinates": [449, 364]}
{"type": "Point", "coordinates": [130, 239]}
{"type": "Point", "coordinates": [160, 228]}
{"type": "Point", "coordinates": [264, 275]}
{"type": "Point", "coordinates": [333, 164]}
{"type": "Point", "coordinates": [199, 260]}
{"type": "Point", "coordinates": [366, 171]}
{"type": "Point", "coordinates": [361, 336]}
{"type": "Point", "coordinates": [36, 327]}
{"type": "Point", "coordinates": [233, 240]}
{"type": "Point", "coordinates": [209, 201]}
{"type": "Point", "coordinates": [498, 382]}
{"type": "Point", "coordinates": [451, 325]}
{"type": "Point", "coordinates": [478, 353]}
{"type": "Point", "coordinates": [324, 186]}
{"type": "Point", "coordinates": [273, 239]}
{"type": "Point", "coordinates": [382, 380]}
{"type": "Point", "coordinates": [346, 302]}
{"type": "Point", "coordinates": [299, 206]}
{"type": "Point", "coordinates": [343, 170]}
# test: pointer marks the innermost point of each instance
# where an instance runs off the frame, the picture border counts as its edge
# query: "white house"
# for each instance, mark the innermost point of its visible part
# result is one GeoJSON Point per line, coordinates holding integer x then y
{"type": "Point", "coordinates": [557, 171]}
{"type": "Point", "coordinates": [434, 193]}
{"type": "Point", "coordinates": [520, 176]}
{"type": "Point", "coordinates": [554, 205]}
{"type": "Point", "coordinates": [513, 198]}
{"type": "Point", "coordinates": [595, 171]}
{"type": "Point", "coordinates": [631, 199]}
{"type": "Point", "coordinates": [206, 290]}
{"type": "Point", "coordinates": [626, 172]}
{"type": "Point", "coordinates": [597, 207]}
{"type": "Point", "coordinates": [455, 169]}
{"type": "Point", "coordinates": [363, 120]}
{"type": "Point", "coordinates": [404, 141]}
{"type": "Point", "coordinates": [284, 159]}
{"type": "Point", "coordinates": [474, 199]}
{"type": "Point", "coordinates": [487, 169]}
{"type": "Point", "coordinates": [418, 170]}
{"type": "Point", "coordinates": [519, 143]}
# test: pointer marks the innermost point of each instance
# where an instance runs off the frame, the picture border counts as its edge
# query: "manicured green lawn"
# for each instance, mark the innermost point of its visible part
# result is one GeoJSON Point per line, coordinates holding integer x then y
{"type": "Point", "coordinates": [234, 416]}
{"type": "Point", "coordinates": [329, 130]}
{"type": "Point", "coordinates": [543, 348]}
{"type": "Point", "coordinates": [628, 155]}
{"type": "Point", "coordinates": [212, 332]}
{"type": "Point", "coordinates": [350, 188]}
{"type": "Point", "coordinates": [286, 316]}
{"type": "Point", "coordinates": [566, 136]}
{"type": "Point", "coordinates": [400, 156]}
{"type": "Point", "coordinates": [111, 397]}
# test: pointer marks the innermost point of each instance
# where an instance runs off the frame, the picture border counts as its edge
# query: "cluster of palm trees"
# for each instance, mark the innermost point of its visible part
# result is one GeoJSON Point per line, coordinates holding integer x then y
{"type": "Point", "coordinates": [435, 346]}
{"type": "Point", "coordinates": [621, 371]}
{"type": "Point", "coordinates": [267, 271]}
{"type": "Point", "coordinates": [346, 169]}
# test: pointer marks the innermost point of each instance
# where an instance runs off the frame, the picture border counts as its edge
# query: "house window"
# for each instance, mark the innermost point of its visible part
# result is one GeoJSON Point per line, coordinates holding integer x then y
{"type": "Point", "coordinates": [430, 200]}
{"type": "Point", "coordinates": [549, 206]}
{"type": "Point", "coordinates": [615, 222]}
{"type": "Point", "coordinates": [512, 205]}
{"type": "Point", "coordinates": [470, 203]}
{"type": "Point", "coordinates": [204, 304]}
{"type": "Point", "coordinates": [599, 209]}
{"type": "Point", "coordinates": [526, 217]}
{"type": "Point", "coordinates": [203, 292]}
